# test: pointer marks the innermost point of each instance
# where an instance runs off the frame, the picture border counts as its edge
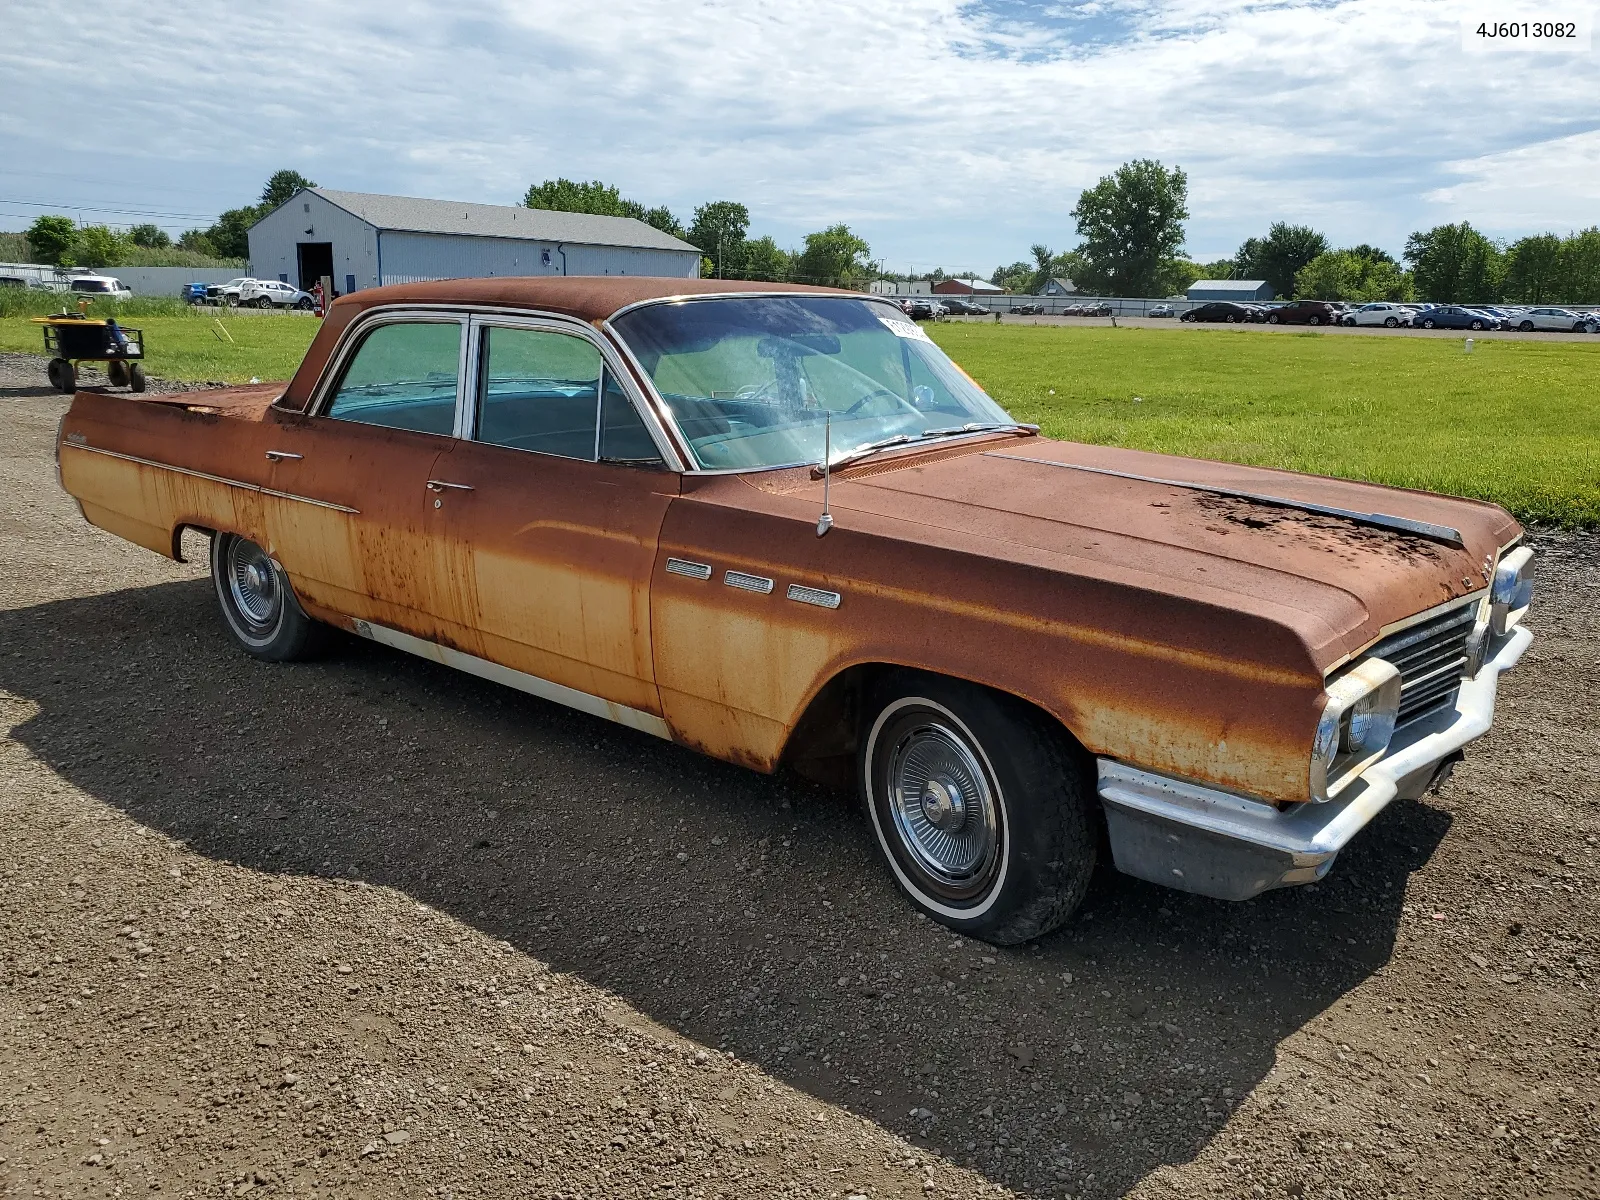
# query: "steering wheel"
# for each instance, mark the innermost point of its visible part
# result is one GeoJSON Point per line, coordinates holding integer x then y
{"type": "Point", "coordinates": [874, 394]}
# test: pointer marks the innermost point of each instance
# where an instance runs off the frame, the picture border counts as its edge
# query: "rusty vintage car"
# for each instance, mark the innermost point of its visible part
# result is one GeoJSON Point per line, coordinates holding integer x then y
{"type": "Point", "coordinates": [777, 524]}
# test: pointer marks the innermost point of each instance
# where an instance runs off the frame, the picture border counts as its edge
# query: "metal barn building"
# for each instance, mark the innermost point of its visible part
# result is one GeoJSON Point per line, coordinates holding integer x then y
{"type": "Point", "coordinates": [363, 240]}
{"type": "Point", "coordinates": [1237, 290]}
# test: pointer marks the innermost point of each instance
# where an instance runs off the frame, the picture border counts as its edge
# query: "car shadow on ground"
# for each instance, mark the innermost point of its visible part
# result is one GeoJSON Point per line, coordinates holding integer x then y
{"type": "Point", "coordinates": [743, 911]}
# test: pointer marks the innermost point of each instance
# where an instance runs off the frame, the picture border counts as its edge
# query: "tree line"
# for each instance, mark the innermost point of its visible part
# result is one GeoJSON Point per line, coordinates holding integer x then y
{"type": "Point", "coordinates": [720, 230]}
{"type": "Point", "coordinates": [62, 241]}
{"type": "Point", "coordinates": [1131, 226]}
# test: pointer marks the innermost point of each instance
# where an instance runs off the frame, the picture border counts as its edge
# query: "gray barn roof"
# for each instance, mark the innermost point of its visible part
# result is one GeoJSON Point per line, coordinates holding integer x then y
{"type": "Point", "coordinates": [411, 215]}
{"type": "Point", "coordinates": [1246, 286]}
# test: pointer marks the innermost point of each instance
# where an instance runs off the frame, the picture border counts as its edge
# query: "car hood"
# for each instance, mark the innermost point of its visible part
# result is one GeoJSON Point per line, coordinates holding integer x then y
{"type": "Point", "coordinates": [1337, 580]}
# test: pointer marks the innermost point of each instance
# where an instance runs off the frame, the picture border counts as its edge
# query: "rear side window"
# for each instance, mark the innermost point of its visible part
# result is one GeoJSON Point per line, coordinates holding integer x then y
{"type": "Point", "coordinates": [403, 377]}
{"type": "Point", "coordinates": [539, 391]}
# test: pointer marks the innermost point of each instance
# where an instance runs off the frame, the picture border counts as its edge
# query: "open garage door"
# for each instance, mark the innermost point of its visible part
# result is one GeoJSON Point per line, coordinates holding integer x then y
{"type": "Point", "coordinates": [316, 260]}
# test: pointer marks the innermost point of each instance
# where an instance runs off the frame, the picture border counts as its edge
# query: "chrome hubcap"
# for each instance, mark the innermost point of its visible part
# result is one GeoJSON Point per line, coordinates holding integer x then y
{"type": "Point", "coordinates": [253, 583]}
{"type": "Point", "coordinates": [942, 804]}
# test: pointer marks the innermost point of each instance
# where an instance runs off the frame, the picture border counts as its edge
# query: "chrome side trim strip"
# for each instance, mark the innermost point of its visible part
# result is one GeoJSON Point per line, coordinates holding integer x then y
{"type": "Point", "coordinates": [748, 583]}
{"type": "Point", "coordinates": [1426, 529]}
{"type": "Point", "coordinates": [810, 595]}
{"type": "Point", "coordinates": [633, 718]}
{"type": "Point", "coordinates": [688, 569]}
{"type": "Point", "coordinates": [222, 479]}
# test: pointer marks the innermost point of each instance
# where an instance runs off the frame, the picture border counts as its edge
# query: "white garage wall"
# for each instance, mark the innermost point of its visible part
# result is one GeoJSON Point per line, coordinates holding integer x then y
{"type": "Point", "coordinates": [410, 257]}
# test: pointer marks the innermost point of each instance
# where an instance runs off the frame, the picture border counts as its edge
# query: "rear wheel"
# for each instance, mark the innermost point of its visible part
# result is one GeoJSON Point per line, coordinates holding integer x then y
{"type": "Point", "coordinates": [63, 375]}
{"type": "Point", "coordinates": [1390, 322]}
{"type": "Point", "coordinates": [1313, 320]}
{"type": "Point", "coordinates": [1526, 327]}
{"type": "Point", "coordinates": [259, 608]}
{"type": "Point", "coordinates": [1476, 325]}
{"type": "Point", "coordinates": [117, 373]}
{"type": "Point", "coordinates": [1272, 318]}
{"type": "Point", "coordinates": [136, 377]}
{"type": "Point", "coordinates": [1427, 324]}
{"type": "Point", "coordinates": [983, 807]}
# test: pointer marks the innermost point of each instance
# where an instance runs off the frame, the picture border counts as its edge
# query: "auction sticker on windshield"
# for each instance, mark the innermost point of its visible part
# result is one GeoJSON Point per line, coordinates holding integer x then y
{"type": "Point", "coordinates": [905, 329]}
{"type": "Point", "coordinates": [1542, 29]}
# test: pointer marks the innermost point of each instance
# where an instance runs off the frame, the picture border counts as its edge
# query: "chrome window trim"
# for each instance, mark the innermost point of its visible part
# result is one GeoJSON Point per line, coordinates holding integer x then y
{"type": "Point", "coordinates": [610, 347]}
{"type": "Point", "coordinates": [350, 344]}
{"type": "Point", "coordinates": [477, 327]}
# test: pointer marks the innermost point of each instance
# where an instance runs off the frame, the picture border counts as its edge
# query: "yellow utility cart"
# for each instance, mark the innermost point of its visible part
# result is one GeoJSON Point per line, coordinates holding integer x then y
{"type": "Point", "coordinates": [71, 338]}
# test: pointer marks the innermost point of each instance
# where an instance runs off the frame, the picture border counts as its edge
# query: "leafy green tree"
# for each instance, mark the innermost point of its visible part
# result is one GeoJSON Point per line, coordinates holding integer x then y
{"type": "Point", "coordinates": [1044, 262]}
{"type": "Point", "coordinates": [1176, 276]}
{"type": "Point", "coordinates": [196, 241]}
{"type": "Point", "coordinates": [661, 218]}
{"type": "Point", "coordinates": [1130, 222]}
{"type": "Point", "coordinates": [151, 237]}
{"type": "Point", "coordinates": [1580, 267]}
{"type": "Point", "coordinates": [280, 187]}
{"type": "Point", "coordinates": [718, 228]}
{"type": "Point", "coordinates": [834, 256]}
{"type": "Point", "coordinates": [565, 195]}
{"type": "Point", "coordinates": [1454, 264]}
{"type": "Point", "coordinates": [1221, 268]}
{"type": "Point", "coordinates": [1014, 278]}
{"type": "Point", "coordinates": [230, 236]}
{"type": "Point", "coordinates": [1351, 275]}
{"type": "Point", "coordinates": [1374, 254]}
{"type": "Point", "coordinates": [98, 246]}
{"type": "Point", "coordinates": [1533, 269]}
{"type": "Point", "coordinates": [765, 259]}
{"type": "Point", "coordinates": [1278, 257]}
{"type": "Point", "coordinates": [51, 237]}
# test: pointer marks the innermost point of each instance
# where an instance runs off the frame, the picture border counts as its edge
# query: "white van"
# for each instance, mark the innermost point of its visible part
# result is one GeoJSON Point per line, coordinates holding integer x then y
{"type": "Point", "coordinates": [100, 285]}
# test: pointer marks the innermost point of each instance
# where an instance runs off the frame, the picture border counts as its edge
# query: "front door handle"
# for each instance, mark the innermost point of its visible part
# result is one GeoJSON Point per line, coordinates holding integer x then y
{"type": "Point", "coordinates": [439, 485]}
{"type": "Point", "coordinates": [281, 455]}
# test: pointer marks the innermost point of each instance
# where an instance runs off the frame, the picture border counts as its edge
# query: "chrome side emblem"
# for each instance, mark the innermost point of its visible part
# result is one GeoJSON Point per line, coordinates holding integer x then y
{"type": "Point", "coordinates": [690, 570]}
{"type": "Point", "coordinates": [811, 595]}
{"type": "Point", "coordinates": [748, 583]}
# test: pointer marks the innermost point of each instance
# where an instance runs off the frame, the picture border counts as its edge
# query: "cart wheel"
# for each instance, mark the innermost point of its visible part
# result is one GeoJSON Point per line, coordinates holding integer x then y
{"type": "Point", "coordinates": [63, 375]}
{"type": "Point", "coordinates": [136, 377]}
{"type": "Point", "coordinates": [117, 373]}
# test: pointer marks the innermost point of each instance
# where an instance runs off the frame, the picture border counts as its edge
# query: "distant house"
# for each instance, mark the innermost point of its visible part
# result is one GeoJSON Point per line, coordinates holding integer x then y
{"type": "Point", "coordinates": [966, 287]}
{"type": "Point", "coordinates": [913, 287]}
{"type": "Point", "coordinates": [882, 287]}
{"type": "Point", "coordinates": [1230, 289]}
{"type": "Point", "coordinates": [1058, 287]}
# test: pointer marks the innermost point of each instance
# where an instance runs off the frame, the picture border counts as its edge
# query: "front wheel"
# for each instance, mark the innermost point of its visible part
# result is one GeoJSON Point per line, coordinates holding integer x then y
{"type": "Point", "coordinates": [258, 606]}
{"type": "Point", "coordinates": [305, 304]}
{"type": "Point", "coordinates": [1313, 320]}
{"type": "Point", "coordinates": [1272, 319]}
{"type": "Point", "coordinates": [1390, 322]}
{"type": "Point", "coordinates": [1427, 324]}
{"type": "Point", "coordinates": [136, 379]}
{"type": "Point", "coordinates": [983, 808]}
{"type": "Point", "coordinates": [1526, 327]}
{"type": "Point", "coordinates": [1477, 325]}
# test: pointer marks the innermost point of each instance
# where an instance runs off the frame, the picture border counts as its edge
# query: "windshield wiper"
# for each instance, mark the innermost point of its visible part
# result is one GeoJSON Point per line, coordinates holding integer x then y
{"type": "Point", "coordinates": [980, 427]}
{"type": "Point", "coordinates": [868, 449]}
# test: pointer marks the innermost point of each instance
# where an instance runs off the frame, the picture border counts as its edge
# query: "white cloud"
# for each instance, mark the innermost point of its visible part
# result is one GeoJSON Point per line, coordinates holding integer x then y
{"type": "Point", "coordinates": [1495, 187]}
{"type": "Point", "coordinates": [946, 131]}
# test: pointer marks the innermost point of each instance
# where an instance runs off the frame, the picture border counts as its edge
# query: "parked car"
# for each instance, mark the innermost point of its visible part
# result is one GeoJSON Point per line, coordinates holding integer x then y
{"type": "Point", "coordinates": [13, 281]}
{"type": "Point", "coordinates": [1303, 312]}
{"type": "Point", "coordinates": [1100, 309]}
{"type": "Point", "coordinates": [1162, 310]}
{"type": "Point", "coordinates": [1390, 316]}
{"type": "Point", "coordinates": [999, 640]}
{"type": "Point", "coordinates": [226, 293]}
{"type": "Point", "coordinates": [1555, 320]}
{"type": "Point", "coordinates": [269, 293]}
{"type": "Point", "coordinates": [100, 285]}
{"type": "Point", "coordinates": [194, 293]}
{"type": "Point", "coordinates": [964, 308]}
{"type": "Point", "coordinates": [1029, 310]}
{"type": "Point", "coordinates": [1219, 310]}
{"type": "Point", "coordinates": [923, 308]}
{"type": "Point", "coordinates": [1454, 316]}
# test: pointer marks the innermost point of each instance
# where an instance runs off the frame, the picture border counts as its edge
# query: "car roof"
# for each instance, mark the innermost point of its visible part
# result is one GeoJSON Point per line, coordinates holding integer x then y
{"type": "Point", "coordinates": [588, 297]}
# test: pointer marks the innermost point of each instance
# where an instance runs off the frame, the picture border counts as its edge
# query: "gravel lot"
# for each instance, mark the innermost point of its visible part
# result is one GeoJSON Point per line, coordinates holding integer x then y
{"type": "Point", "coordinates": [366, 927]}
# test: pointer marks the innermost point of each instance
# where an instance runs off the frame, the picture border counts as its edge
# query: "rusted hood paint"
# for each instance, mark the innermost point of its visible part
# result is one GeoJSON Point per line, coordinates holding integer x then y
{"type": "Point", "coordinates": [1335, 580]}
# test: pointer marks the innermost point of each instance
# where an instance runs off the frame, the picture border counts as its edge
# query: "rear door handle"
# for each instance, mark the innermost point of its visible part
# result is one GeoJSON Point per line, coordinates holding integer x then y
{"type": "Point", "coordinates": [439, 485]}
{"type": "Point", "coordinates": [281, 455]}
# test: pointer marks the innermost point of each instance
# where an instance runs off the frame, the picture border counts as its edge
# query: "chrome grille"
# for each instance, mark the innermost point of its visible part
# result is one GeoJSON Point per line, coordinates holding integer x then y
{"type": "Point", "coordinates": [1432, 657]}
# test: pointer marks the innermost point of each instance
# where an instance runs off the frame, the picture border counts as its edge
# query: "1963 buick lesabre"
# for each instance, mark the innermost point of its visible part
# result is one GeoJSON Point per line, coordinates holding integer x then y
{"type": "Point", "coordinates": [777, 524]}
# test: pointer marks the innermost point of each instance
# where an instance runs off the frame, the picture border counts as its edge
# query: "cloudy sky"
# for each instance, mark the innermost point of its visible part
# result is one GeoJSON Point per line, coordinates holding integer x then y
{"type": "Point", "coordinates": [947, 132]}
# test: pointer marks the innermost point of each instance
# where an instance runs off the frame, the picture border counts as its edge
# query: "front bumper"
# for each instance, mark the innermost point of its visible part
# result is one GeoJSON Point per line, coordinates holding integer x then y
{"type": "Point", "coordinates": [1219, 844]}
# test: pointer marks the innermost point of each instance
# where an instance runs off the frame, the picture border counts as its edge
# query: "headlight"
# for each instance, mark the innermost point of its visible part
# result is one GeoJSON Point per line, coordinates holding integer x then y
{"type": "Point", "coordinates": [1512, 591]}
{"type": "Point", "coordinates": [1355, 727]}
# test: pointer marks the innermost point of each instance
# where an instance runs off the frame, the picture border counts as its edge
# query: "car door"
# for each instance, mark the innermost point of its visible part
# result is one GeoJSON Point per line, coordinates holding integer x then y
{"type": "Point", "coordinates": [548, 511]}
{"type": "Point", "coordinates": [347, 502]}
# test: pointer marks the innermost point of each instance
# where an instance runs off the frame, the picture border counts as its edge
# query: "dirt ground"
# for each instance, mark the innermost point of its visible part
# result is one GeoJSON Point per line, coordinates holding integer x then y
{"type": "Point", "coordinates": [367, 927]}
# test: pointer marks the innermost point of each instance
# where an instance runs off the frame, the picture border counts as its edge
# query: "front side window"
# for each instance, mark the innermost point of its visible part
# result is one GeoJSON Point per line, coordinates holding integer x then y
{"type": "Point", "coordinates": [753, 381]}
{"type": "Point", "coordinates": [404, 376]}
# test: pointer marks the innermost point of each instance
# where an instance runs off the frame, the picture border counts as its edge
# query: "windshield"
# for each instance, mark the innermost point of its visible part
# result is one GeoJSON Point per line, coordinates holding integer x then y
{"type": "Point", "coordinates": [90, 285]}
{"type": "Point", "coordinates": [753, 380]}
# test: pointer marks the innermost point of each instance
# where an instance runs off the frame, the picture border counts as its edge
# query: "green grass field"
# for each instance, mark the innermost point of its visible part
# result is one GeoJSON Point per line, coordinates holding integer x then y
{"type": "Point", "coordinates": [1516, 422]}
